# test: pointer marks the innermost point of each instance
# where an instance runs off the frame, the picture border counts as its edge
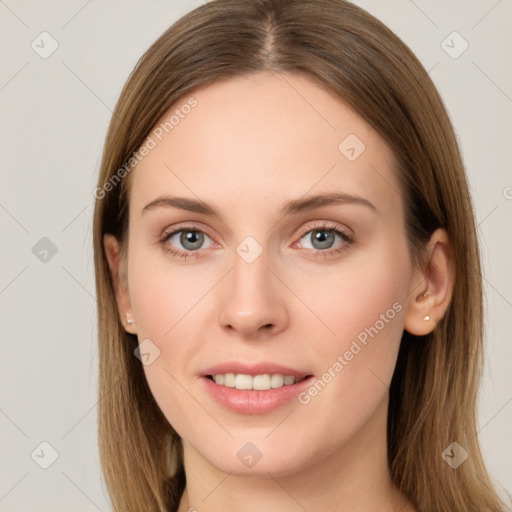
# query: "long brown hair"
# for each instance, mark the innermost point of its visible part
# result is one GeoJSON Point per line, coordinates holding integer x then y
{"type": "Point", "coordinates": [434, 388]}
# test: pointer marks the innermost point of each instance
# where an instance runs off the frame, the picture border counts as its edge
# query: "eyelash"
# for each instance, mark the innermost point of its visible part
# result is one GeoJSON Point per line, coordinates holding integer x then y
{"type": "Point", "coordinates": [317, 253]}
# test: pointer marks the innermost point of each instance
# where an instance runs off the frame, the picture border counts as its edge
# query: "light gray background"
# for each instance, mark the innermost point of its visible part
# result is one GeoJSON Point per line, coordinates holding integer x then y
{"type": "Point", "coordinates": [54, 115]}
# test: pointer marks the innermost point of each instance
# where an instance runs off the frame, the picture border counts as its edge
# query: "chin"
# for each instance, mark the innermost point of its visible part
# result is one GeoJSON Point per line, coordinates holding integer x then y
{"type": "Point", "coordinates": [259, 457]}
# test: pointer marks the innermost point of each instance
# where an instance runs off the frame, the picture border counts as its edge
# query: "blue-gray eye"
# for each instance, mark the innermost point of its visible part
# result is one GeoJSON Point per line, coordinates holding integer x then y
{"type": "Point", "coordinates": [190, 240]}
{"type": "Point", "coordinates": [320, 239]}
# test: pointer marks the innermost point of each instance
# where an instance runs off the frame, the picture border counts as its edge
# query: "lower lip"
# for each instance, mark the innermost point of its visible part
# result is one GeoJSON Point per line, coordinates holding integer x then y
{"type": "Point", "coordinates": [254, 401]}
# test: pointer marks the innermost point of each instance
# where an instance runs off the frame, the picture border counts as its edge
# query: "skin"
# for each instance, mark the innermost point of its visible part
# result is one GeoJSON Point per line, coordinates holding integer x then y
{"type": "Point", "coordinates": [252, 144]}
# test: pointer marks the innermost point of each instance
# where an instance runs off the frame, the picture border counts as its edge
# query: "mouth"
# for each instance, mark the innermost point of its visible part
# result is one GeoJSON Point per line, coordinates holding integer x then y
{"type": "Point", "coordinates": [255, 388]}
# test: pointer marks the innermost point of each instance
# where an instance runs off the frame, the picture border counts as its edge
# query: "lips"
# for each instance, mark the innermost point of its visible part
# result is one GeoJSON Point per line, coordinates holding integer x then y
{"type": "Point", "coordinates": [255, 388]}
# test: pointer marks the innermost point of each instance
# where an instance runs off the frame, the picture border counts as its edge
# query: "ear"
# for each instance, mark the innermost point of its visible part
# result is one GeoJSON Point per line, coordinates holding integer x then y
{"type": "Point", "coordinates": [120, 282]}
{"type": "Point", "coordinates": [431, 287]}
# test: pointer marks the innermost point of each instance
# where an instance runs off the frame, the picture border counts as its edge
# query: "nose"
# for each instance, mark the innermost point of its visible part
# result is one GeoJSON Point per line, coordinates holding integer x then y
{"type": "Point", "coordinates": [253, 301]}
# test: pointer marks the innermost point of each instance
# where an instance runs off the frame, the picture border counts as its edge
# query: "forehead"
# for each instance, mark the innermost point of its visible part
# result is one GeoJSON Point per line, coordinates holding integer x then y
{"type": "Point", "coordinates": [258, 140]}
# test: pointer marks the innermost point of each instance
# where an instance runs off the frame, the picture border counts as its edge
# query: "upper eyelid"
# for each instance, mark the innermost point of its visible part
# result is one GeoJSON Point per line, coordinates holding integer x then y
{"type": "Point", "coordinates": [319, 225]}
{"type": "Point", "coordinates": [171, 231]}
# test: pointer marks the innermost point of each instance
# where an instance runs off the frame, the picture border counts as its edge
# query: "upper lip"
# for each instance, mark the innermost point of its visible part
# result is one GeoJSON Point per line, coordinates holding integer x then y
{"type": "Point", "coordinates": [253, 369]}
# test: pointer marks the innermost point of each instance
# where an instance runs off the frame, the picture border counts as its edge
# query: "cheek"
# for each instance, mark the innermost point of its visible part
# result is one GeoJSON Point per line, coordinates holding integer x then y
{"type": "Point", "coordinates": [162, 292]}
{"type": "Point", "coordinates": [168, 304]}
{"type": "Point", "coordinates": [361, 308]}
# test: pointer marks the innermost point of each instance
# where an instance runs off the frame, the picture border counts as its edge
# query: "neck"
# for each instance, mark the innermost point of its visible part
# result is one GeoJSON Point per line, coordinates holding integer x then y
{"type": "Point", "coordinates": [354, 478]}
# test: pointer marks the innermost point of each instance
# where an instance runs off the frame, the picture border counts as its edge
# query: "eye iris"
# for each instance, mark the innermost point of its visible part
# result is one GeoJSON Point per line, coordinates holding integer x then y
{"type": "Point", "coordinates": [322, 239]}
{"type": "Point", "coordinates": [191, 240]}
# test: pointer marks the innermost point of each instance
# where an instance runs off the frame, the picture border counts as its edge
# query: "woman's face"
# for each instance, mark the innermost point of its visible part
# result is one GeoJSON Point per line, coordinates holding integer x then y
{"type": "Point", "coordinates": [296, 271]}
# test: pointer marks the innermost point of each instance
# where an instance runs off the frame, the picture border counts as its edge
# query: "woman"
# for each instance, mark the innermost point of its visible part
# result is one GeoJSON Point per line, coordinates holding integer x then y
{"type": "Point", "coordinates": [288, 273]}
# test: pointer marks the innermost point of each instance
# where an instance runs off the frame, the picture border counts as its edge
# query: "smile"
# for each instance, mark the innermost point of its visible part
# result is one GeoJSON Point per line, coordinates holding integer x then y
{"type": "Point", "coordinates": [261, 382]}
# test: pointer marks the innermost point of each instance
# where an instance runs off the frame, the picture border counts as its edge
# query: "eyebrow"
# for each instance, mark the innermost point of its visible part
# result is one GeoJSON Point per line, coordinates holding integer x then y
{"type": "Point", "coordinates": [293, 206]}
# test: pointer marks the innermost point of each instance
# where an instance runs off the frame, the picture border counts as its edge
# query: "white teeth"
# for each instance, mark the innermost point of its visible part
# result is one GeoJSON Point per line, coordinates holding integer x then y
{"type": "Point", "coordinates": [262, 382]}
{"type": "Point", "coordinates": [277, 380]}
{"type": "Point", "coordinates": [243, 381]}
{"type": "Point", "coordinates": [229, 379]}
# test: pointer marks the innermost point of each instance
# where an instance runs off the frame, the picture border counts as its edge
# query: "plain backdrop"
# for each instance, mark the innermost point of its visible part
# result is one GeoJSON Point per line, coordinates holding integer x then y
{"type": "Point", "coordinates": [54, 116]}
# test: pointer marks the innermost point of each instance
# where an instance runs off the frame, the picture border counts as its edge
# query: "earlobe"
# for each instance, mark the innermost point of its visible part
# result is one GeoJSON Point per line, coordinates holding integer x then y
{"type": "Point", "coordinates": [431, 287]}
{"type": "Point", "coordinates": [119, 281]}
